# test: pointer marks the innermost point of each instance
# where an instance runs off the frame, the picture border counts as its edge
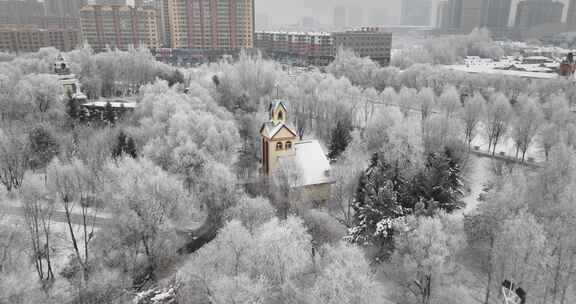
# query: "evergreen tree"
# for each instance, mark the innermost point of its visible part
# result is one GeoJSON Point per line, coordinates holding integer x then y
{"type": "Point", "coordinates": [124, 145]}
{"type": "Point", "coordinates": [376, 208]}
{"type": "Point", "coordinates": [340, 139]}
{"type": "Point", "coordinates": [130, 147]}
{"type": "Point", "coordinates": [72, 109]}
{"type": "Point", "coordinates": [109, 115]}
{"type": "Point", "coordinates": [441, 181]}
{"type": "Point", "coordinates": [43, 147]}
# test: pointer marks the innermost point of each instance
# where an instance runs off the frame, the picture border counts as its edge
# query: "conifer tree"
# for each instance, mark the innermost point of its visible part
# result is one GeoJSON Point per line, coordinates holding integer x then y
{"type": "Point", "coordinates": [124, 145]}
{"type": "Point", "coordinates": [109, 115]}
{"type": "Point", "coordinates": [340, 139]}
{"type": "Point", "coordinates": [72, 108]}
{"type": "Point", "coordinates": [43, 147]}
{"type": "Point", "coordinates": [441, 181]}
{"type": "Point", "coordinates": [376, 208]}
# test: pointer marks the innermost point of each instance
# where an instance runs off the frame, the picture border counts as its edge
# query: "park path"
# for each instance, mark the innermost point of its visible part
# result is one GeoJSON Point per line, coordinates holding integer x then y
{"type": "Point", "coordinates": [479, 173]}
{"type": "Point", "coordinates": [58, 216]}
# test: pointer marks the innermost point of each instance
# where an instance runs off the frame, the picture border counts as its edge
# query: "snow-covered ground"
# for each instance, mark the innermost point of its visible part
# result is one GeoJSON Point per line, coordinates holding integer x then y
{"type": "Point", "coordinates": [479, 174]}
{"type": "Point", "coordinates": [506, 145]}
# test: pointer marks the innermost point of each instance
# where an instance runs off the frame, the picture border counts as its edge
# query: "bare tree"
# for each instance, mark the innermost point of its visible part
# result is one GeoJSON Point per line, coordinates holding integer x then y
{"type": "Point", "coordinates": [472, 115]}
{"type": "Point", "coordinates": [449, 101]}
{"type": "Point", "coordinates": [496, 120]}
{"type": "Point", "coordinates": [38, 213]}
{"type": "Point", "coordinates": [425, 100]}
{"type": "Point", "coordinates": [73, 188]}
{"type": "Point", "coordinates": [526, 124]}
{"type": "Point", "coordinates": [13, 160]}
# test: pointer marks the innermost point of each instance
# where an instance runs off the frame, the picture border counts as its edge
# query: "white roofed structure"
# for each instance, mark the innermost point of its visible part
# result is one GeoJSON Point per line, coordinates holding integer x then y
{"type": "Point", "coordinates": [311, 162]}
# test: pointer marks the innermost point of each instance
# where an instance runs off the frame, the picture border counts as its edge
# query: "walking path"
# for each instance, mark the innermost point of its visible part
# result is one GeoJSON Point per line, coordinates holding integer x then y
{"type": "Point", "coordinates": [58, 216]}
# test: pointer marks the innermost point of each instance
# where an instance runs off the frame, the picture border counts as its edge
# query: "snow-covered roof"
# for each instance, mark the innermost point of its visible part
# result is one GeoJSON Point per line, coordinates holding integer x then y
{"type": "Point", "coordinates": [79, 95]}
{"type": "Point", "coordinates": [490, 69]}
{"type": "Point", "coordinates": [312, 162]}
{"type": "Point", "coordinates": [294, 33]}
{"type": "Point", "coordinates": [276, 103]}
{"type": "Point", "coordinates": [114, 104]}
{"type": "Point", "coordinates": [272, 129]}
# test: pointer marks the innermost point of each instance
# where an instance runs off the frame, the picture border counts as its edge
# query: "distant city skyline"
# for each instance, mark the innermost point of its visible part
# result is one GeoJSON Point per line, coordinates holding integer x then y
{"type": "Point", "coordinates": [284, 13]}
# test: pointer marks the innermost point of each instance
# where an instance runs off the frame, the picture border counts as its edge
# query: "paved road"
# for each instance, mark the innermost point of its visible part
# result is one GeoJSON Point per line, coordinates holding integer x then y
{"type": "Point", "coordinates": [59, 216]}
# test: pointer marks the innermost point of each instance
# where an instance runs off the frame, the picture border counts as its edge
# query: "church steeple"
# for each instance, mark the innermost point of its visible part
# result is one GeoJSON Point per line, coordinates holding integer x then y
{"type": "Point", "coordinates": [61, 66]}
{"type": "Point", "coordinates": [278, 111]}
{"type": "Point", "coordinates": [278, 138]}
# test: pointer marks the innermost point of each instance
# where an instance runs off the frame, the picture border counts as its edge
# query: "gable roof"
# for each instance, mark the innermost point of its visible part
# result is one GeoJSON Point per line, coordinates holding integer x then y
{"type": "Point", "coordinates": [273, 129]}
{"type": "Point", "coordinates": [278, 103]}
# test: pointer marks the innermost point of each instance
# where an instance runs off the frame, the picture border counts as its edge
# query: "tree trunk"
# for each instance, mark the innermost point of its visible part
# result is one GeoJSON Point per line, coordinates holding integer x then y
{"type": "Point", "coordinates": [73, 237]}
{"type": "Point", "coordinates": [489, 284]}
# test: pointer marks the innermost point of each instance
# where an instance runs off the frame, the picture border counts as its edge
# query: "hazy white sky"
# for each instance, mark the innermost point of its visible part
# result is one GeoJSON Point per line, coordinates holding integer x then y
{"type": "Point", "coordinates": [283, 12]}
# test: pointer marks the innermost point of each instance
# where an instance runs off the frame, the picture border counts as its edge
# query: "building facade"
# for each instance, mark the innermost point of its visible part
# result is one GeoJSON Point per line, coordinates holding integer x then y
{"type": "Point", "coordinates": [416, 12]}
{"type": "Point", "coordinates": [443, 15]}
{"type": "Point", "coordinates": [496, 13]}
{"type": "Point", "coordinates": [370, 42]}
{"type": "Point", "coordinates": [20, 12]}
{"type": "Point", "coordinates": [471, 15]}
{"type": "Point", "coordinates": [27, 39]}
{"type": "Point", "coordinates": [463, 16]}
{"type": "Point", "coordinates": [316, 48]}
{"type": "Point", "coordinates": [119, 26]}
{"type": "Point", "coordinates": [321, 48]}
{"type": "Point", "coordinates": [50, 22]}
{"type": "Point", "coordinates": [531, 13]}
{"type": "Point", "coordinates": [62, 8]}
{"type": "Point", "coordinates": [571, 15]}
{"type": "Point", "coordinates": [301, 164]}
{"type": "Point", "coordinates": [208, 24]}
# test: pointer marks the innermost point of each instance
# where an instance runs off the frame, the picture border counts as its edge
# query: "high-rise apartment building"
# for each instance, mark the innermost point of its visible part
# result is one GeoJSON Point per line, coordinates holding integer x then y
{"type": "Point", "coordinates": [471, 15]}
{"type": "Point", "coordinates": [530, 13]}
{"type": "Point", "coordinates": [340, 17]}
{"type": "Point", "coordinates": [28, 39]}
{"type": "Point", "coordinates": [443, 15]}
{"type": "Point", "coordinates": [571, 15]}
{"type": "Point", "coordinates": [208, 24]}
{"type": "Point", "coordinates": [496, 13]}
{"type": "Point", "coordinates": [465, 15]}
{"type": "Point", "coordinates": [62, 8]}
{"type": "Point", "coordinates": [416, 12]}
{"type": "Point", "coordinates": [20, 12]}
{"type": "Point", "coordinates": [119, 26]}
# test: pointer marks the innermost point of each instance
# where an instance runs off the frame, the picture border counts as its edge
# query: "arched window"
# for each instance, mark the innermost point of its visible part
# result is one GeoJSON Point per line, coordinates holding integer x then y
{"type": "Point", "coordinates": [288, 145]}
{"type": "Point", "coordinates": [280, 115]}
{"type": "Point", "coordinates": [279, 146]}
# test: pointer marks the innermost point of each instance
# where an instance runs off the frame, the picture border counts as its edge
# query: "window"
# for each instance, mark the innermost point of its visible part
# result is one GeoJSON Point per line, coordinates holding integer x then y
{"type": "Point", "coordinates": [288, 145]}
{"type": "Point", "coordinates": [280, 114]}
{"type": "Point", "coordinates": [279, 146]}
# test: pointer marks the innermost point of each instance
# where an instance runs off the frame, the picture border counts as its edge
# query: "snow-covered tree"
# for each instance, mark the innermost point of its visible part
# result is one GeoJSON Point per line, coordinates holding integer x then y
{"type": "Point", "coordinates": [377, 206]}
{"type": "Point", "coordinates": [472, 116]}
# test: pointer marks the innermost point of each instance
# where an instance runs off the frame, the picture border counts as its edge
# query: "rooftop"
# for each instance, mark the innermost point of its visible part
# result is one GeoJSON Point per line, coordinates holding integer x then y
{"type": "Point", "coordinates": [312, 163]}
{"type": "Point", "coordinates": [114, 104]}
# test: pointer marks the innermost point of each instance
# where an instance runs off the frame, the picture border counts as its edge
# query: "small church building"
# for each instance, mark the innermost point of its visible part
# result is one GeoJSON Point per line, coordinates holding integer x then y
{"type": "Point", "coordinates": [70, 83]}
{"type": "Point", "coordinates": [281, 148]}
